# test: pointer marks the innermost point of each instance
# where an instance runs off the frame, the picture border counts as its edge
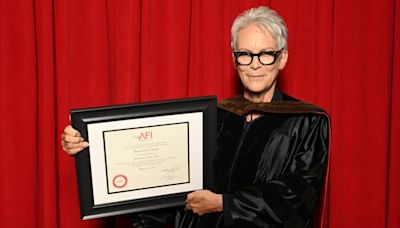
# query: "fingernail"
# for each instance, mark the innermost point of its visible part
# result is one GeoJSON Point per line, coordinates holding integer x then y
{"type": "Point", "coordinates": [85, 144]}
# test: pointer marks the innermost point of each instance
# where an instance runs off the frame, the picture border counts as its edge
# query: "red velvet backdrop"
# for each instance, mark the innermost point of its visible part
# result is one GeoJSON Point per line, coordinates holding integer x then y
{"type": "Point", "coordinates": [61, 54]}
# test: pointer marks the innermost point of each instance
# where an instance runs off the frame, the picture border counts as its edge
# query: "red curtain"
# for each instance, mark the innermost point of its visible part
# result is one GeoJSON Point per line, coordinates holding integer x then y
{"type": "Point", "coordinates": [56, 55]}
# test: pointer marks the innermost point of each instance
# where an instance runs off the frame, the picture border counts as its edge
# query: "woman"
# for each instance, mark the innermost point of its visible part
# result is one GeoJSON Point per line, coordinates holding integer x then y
{"type": "Point", "coordinates": [272, 149]}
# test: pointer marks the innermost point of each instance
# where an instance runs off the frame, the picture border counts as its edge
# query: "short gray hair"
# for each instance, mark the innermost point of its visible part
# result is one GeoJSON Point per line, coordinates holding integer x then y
{"type": "Point", "coordinates": [267, 19]}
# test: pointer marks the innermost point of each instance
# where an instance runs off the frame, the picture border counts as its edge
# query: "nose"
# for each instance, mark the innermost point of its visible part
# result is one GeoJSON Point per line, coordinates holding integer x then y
{"type": "Point", "coordinates": [255, 64]}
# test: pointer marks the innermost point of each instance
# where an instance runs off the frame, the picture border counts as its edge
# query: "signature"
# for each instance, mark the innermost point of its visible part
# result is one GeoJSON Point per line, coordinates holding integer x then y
{"type": "Point", "coordinates": [171, 170]}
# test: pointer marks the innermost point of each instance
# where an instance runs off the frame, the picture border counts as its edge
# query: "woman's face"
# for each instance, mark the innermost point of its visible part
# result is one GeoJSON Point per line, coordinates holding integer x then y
{"type": "Point", "coordinates": [259, 80]}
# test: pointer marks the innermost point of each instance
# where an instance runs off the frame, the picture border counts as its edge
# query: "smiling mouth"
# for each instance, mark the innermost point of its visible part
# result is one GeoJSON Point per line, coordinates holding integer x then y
{"type": "Point", "coordinates": [255, 76]}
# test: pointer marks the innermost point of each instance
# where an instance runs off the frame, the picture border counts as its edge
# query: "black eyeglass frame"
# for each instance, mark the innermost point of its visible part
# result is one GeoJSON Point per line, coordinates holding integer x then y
{"type": "Point", "coordinates": [275, 54]}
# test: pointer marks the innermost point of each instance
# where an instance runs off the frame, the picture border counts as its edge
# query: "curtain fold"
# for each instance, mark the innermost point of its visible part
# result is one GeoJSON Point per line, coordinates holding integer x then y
{"type": "Point", "coordinates": [45, 161]}
{"type": "Point", "coordinates": [57, 55]}
{"type": "Point", "coordinates": [393, 169]}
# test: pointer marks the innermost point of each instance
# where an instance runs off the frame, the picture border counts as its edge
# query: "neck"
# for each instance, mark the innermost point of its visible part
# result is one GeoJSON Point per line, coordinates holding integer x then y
{"type": "Point", "coordinates": [263, 97]}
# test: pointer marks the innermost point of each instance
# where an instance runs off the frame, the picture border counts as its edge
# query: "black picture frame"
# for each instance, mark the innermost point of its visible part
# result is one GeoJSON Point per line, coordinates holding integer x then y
{"type": "Point", "coordinates": [82, 118]}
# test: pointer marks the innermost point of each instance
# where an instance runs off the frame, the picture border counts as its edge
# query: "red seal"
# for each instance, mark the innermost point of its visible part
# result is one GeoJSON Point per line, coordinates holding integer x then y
{"type": "Point", "coordinates": [120, 181]}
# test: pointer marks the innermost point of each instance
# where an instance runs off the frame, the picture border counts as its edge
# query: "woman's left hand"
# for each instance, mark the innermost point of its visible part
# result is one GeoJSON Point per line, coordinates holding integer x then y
{"type": "Point", "coordinates": [204, 201]}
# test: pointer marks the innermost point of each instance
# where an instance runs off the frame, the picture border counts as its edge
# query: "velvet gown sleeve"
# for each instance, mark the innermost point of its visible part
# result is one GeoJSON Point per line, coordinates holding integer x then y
{"type": "Point", "coordinates": [287, 196]}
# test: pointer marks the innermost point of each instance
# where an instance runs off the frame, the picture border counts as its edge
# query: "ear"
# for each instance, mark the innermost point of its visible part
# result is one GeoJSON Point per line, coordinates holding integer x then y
{"type": "Point", "coordinates": [283, 59]}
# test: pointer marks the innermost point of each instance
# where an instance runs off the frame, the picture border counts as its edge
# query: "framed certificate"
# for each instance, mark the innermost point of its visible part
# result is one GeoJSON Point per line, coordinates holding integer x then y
{"type": "Point", "coordinates": [144, 156]}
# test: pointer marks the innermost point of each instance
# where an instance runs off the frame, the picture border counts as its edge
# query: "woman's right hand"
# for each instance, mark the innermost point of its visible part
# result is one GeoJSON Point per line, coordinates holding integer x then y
{"type": "Point", "coordinates": [72, 141]}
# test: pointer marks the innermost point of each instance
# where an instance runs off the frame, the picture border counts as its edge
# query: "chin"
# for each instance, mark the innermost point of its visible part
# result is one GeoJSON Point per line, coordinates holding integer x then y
{"type": "Point", "coordinates": [256, 89]}
{"type": "Point", "coordinates": [255, 92]}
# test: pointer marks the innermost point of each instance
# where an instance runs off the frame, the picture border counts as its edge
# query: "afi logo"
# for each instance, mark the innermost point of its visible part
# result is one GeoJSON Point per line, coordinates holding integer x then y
{"type": "Point", "coordinates": [147, 135]}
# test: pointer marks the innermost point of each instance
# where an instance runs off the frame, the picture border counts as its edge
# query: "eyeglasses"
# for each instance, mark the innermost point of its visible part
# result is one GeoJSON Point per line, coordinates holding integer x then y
{"type": "Point", "coordinates": [244, 58]}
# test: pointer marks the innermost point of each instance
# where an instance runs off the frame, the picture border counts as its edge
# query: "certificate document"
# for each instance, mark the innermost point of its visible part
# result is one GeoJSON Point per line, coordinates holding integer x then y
{"type": "Point", "coordinates": [147, 157]}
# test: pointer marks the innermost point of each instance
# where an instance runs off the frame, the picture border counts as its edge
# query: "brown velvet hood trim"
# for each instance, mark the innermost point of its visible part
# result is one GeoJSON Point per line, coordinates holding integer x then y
{"type": "Point", "coordinates": [241, 106]}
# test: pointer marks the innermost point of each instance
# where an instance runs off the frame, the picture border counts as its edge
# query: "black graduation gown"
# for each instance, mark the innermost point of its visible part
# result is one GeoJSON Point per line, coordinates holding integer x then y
{"type": "Point", "coordinates": [270, 171]}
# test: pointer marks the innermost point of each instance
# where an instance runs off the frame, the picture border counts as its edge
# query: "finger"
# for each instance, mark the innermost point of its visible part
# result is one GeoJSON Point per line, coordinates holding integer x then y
{"type": "Point", "coordinates": [198, 211]}
{"type": "Point", "coordinates": [73, 151]}
{"type": "Point", "coordinates": [69, 130]}
{"type": "Point", "coordinates": [194, 206]}
{"type": "Point", "coordinates": [69, 145]}
{"type": "Point", "coordinates": [190, 196]}
{"type": "Point", "coordinates": [73, 148]}
{"type": "Point", "coordinates": [189, 204]}
{"type": "Point", "coordinates": [194, 196]}
{"type": "Point", "coordinates": [71, 139]}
